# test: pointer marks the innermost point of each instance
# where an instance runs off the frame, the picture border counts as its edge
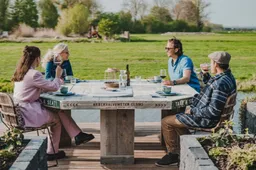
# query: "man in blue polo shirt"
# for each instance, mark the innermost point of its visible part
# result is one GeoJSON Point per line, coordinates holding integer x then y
{"type": "Point", "coordinates": [180, 67]}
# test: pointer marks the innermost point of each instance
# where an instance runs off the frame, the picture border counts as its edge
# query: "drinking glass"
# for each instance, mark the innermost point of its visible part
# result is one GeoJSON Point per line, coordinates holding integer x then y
{"type": "Point", "coordinates": [162, 73]}
{"type": "Point", "coordinates": [205, 67]}
{"type": "Point", "coordinates": [138, 79]}
{"type": "Point", "coordinates": [73, 80]}
{"type": "Point", "coordinates": [64, 74]}
{"type": "Point", "coordinates": [57, 59]}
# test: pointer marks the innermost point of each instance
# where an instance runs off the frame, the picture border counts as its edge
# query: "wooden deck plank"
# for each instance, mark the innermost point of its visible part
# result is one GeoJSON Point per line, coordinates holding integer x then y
{"type": "Point", "coordinates": [87, 156]}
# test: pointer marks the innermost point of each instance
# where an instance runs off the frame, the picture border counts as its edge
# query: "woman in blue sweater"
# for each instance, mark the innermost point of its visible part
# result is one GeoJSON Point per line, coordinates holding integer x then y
{"type": "Point", "coordinates": [61, 51]}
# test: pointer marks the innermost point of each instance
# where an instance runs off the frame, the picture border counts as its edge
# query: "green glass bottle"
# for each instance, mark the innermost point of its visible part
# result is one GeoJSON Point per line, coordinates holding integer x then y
{"type": "Point", "coordinates": [128, 74]}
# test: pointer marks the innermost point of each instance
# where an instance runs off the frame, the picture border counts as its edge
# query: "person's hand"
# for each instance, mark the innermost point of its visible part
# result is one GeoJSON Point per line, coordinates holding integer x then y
{"type": "Point", "coordinates": [59, 71]}
{"type": "Point", "coordinates": [204, 68]}
{"type": "Point", "coordinates": [187, 111]}
{"type": "Point", "coordinates": [167, 82]}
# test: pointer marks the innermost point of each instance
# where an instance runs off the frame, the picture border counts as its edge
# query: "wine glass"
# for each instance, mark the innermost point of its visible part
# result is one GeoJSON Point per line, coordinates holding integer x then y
{"type": "Point", "coordinates": [64, 74]}
{"type": "Point", "coordinates": [162, 73]}
{"type": "Point", "coordinates": [205, 67]}
{"type": "Point", "coordinates": [57, 60]}
{"type": "Point", "coordinates": [73, 80]}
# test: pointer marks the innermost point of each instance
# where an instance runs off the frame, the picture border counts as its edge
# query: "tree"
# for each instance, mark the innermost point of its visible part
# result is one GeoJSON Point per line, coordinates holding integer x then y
{"type": "Point", "coordinates": [161, 14]}
{"type": "Point", "coordinates": [4, 14]}
{"type": "Point", "coordinates": [74, 20]}
{"type": "Point", "coordinates": [182, 13]}
{"type": "Point", "coordinates": [79, 19]}
{"type": "Point", "coordinates": [25, 11]}
{"type": "Point", "coordinates": [200, 12]}
{"type": "Point", "coordinates": [163, 3]}
{"type": "Point", "coordinates": [153, 25]}
{"type": "Point", "coordinates": [64, 26]}
{"type": "Point", "coordinates": [136, 7]}
{"type": "Point", "coordinates": [125, 21]}
{"type": "Point", "coordinates": [92, 5]}
{"type": "Point", "coordinates": [49, 14]}
{"type": "Point", "coordinates": [192, 11]}
{"type": "Point", "coordinates": [107, 27]}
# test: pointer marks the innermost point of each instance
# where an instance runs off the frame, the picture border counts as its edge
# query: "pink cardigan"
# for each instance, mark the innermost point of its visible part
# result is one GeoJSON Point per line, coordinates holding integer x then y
{"type": "Point", "coordinates": [27, 93]}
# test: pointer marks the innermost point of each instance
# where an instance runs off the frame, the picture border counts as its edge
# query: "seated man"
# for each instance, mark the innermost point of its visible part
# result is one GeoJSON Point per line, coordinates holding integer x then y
{"type": "Point", "coordinates": [205, 110]}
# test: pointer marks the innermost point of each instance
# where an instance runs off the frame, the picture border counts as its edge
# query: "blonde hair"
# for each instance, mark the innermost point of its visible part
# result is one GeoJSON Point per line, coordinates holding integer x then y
{"type": "Point", "coordinates": [57, 49]}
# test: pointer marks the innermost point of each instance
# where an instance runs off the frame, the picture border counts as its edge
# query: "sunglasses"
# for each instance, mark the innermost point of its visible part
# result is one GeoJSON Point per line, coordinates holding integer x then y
{"type": "Point", "coordinates": [66, 52]}
{"type": "Point", "coordinates": [167, 48]}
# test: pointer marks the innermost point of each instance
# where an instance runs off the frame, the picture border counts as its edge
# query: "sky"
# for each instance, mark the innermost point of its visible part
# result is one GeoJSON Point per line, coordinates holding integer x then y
{"type": "Point", "coordinates": [229, 13]}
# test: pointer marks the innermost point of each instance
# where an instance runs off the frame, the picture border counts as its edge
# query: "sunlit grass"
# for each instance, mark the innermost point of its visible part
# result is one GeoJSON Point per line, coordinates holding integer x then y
{"type": "Point", "coordinates": [145, 55]}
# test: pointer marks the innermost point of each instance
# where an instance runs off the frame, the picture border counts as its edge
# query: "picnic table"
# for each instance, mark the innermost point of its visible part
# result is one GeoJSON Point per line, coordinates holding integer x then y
{"type": "Point", "coordinates": [117, 108]}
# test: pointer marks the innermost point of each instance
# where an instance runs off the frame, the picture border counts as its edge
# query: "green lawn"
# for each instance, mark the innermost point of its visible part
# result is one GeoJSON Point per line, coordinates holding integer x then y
{"type": "Point", "coordinates": [145, 54]}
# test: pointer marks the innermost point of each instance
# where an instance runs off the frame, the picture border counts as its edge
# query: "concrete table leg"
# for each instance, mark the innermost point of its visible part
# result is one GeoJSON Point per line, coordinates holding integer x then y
{"type": "Point", "coordinates": [117, 136]}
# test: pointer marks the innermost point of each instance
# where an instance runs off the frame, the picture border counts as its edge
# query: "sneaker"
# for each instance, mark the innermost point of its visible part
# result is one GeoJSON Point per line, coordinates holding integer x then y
{"type": "Point", "coordinates": [59, 155]}
{"type": "Point", "coordinates": [168, 159]}
{"type": "Point", "coordinates": [83, 138]}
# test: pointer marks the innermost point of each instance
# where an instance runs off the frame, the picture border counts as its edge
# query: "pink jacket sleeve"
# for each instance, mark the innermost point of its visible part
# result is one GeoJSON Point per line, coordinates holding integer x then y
{"type": "Point", "coordinates": [46, 85]}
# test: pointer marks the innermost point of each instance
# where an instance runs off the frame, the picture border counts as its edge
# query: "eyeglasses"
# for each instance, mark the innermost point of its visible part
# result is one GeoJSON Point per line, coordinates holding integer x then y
{"type": "Point", "coordinates": [167, 48]}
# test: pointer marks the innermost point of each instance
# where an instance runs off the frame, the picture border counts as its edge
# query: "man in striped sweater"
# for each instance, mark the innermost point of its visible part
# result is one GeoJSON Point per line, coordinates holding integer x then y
{"type": "Point", "coordinates": [205, 110]}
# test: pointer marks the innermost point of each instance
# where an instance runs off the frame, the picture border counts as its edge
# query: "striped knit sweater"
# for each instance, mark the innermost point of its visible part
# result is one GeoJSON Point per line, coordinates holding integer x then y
{"type": "Point", "coordinates": [207, 106]}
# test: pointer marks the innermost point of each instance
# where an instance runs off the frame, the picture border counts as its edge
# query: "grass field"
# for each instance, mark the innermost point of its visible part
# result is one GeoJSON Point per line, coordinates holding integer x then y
{"type": "Point", "coordinates": [145, 54]}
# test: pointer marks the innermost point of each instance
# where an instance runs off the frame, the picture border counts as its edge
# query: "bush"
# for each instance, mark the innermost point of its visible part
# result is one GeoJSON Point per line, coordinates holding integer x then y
{"type": "Point", "coordinates": [79, 19]}
{"type": "Point", "coordinates": [207, 29]}
{"type": "Point", "coordinates": [10, 147]}
{"type": "Point", "coordinates": [74, 20]}
{"type": "Point", "coordinates": [138, 27]}
{"type": "Point", "coordinates": [49, 14]}
{"type": "Point", "coordinates": [64, 26]}
{"type": "Point", "coordinates": [178, 26]}
{"type": "Point", "coordinates": [229, 151]}
{"type": "Point", "coordinates": [107, 27]}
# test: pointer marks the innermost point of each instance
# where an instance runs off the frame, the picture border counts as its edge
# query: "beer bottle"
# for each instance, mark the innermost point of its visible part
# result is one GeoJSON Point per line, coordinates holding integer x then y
{"type": "Point", "coordinates": [128, 74]}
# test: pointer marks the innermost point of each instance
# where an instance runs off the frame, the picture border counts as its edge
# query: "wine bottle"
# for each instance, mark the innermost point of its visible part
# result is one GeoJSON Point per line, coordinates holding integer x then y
{"type": "Point", "coordinates": [128, 74]}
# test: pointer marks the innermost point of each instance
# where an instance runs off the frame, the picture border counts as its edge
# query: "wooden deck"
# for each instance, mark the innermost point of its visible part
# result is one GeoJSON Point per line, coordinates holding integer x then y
{"type": "Point", "coordinates": [87, 156]}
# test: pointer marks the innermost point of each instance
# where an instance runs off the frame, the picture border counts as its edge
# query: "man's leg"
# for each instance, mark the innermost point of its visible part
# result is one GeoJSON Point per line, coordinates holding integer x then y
{"type": "Point", "coordinates": [172, 129]}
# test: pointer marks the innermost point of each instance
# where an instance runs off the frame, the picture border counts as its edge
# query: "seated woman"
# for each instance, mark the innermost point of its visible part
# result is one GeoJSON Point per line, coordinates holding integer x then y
{"type": "Point", "coordinates": [28, 84]}
{"type": "Point", "coordinates": [60, 50]}
{"type": "Point", "coordinates": [180, 67]}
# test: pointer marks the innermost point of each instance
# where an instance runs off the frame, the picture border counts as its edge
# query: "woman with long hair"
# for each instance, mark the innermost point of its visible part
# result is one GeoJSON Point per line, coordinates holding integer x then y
{"type": "Point", "coordinates": [28, 85]}
{"type": "Point", "coordinates": [62, 53]}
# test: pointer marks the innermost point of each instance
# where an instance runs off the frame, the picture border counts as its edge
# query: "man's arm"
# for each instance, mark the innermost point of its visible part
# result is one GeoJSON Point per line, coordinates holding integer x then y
{"type": "Point", "coordinates": [215, 106]}
{"type": "Point", "coordinates": [186, 65]}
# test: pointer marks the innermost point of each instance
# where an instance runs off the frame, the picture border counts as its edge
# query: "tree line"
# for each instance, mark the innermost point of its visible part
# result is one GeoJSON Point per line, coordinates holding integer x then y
{"type": "Point", "coordinates": [76, 16]}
